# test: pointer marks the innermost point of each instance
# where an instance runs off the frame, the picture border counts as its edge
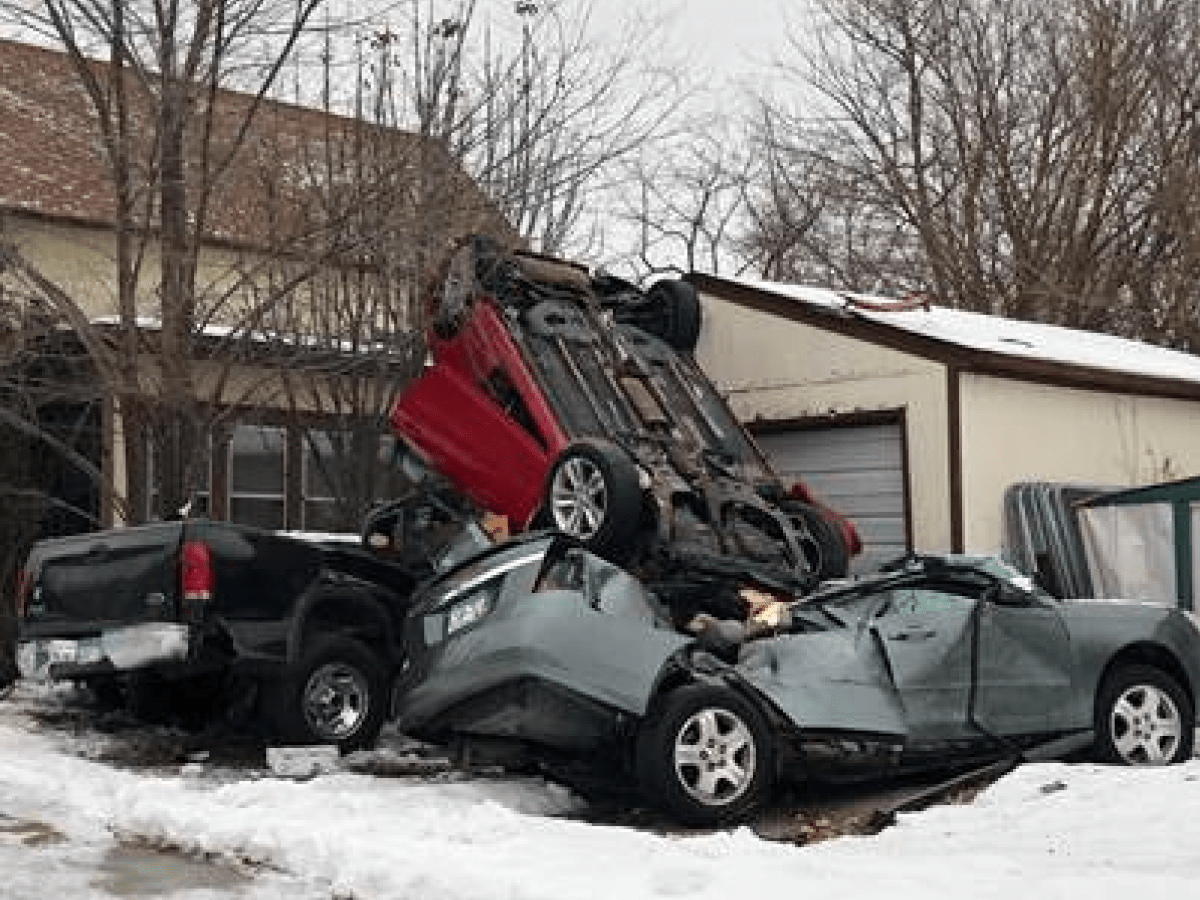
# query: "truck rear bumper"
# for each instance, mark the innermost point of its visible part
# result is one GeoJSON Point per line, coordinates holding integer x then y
{"type": "Point", "coordinates": [119, 649]}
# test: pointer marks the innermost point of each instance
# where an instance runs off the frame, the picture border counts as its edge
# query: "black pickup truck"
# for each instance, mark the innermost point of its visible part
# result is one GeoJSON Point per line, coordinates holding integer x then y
{"type": "Point", "coordinates": [199, 618]}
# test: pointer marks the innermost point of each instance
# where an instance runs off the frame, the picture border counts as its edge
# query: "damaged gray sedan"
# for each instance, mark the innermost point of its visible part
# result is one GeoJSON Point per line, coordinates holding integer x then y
{"type": "Point", "coordinates": [538, 651]}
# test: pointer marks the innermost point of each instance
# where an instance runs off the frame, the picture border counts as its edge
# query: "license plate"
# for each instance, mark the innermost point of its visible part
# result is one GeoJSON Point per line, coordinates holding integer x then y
{"type": "Point", "coordinates": [62, 651]}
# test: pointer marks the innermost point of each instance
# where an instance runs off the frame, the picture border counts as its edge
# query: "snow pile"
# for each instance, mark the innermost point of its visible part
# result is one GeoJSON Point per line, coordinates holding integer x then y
{"type": "Point", "coordinates": [1045, 831]}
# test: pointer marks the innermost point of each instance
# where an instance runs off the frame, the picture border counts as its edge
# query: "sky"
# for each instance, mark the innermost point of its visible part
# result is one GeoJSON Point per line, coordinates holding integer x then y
{"type": "Point", "coordinates": [723, 35]}
{"type": "Point", "coordinates": [352, 831]}
{"type": "Point", "coordinates": [727, 41]}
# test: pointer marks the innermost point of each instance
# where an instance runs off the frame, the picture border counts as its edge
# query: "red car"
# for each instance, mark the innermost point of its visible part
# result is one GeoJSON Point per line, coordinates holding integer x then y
{"type": "Point", "coordinates": [559, 397]}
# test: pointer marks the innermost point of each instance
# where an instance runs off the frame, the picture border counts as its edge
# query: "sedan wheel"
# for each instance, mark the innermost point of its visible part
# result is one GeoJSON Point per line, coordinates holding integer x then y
{"type": "Point", "coordinates": [705, 755]}
{"type": "Point", "coordinates": [579, 497]}
{"type": "Point", "coordinates": [1143, 718]}
{"type": "Point", "coordinates": [715, 757]}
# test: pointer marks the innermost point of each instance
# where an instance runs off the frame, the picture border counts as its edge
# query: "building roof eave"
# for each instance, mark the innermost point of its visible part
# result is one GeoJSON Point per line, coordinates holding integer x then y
{"type": "Point", "coordinates": [963, 358]}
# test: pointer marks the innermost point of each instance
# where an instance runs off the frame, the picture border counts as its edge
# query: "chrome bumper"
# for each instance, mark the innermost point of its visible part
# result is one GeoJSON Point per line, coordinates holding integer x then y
{"type": "Point", "coordinates": [120, 649]}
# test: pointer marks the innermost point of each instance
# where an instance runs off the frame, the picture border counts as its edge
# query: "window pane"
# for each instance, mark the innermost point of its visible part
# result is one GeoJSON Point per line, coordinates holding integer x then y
{"type": "Point", "coordinates": [256, 465]}
{"type": "Point", "coordinates": [265, 512]}
{"type": "Point", "coordinates": [256, 476]}
{"type": "Point", "coordinates": [321, 456]}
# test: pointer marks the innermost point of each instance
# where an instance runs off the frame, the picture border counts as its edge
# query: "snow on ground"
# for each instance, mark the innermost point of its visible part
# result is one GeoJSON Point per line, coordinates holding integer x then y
{"type": "Point", "coordinates": [1045, 831]}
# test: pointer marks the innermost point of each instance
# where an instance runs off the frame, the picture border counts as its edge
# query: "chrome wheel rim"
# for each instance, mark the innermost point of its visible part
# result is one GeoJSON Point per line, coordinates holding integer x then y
{"type": "Point", "coordinates": [714, 757]}
{"type": "Point", "coordinates": [1146, 726]}
{"type": "Point", "coordinates": [578, 497]}
{"type": "Point", "coordinates": [336, 701]}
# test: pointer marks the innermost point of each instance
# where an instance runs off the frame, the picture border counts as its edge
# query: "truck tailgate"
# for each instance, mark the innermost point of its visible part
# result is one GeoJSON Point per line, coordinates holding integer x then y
{"type": "Point", "coordinates": [125, 575]}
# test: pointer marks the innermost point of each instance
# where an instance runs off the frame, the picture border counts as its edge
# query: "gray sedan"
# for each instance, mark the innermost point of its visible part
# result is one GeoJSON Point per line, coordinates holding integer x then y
{"type": "Point", "coordinates": [537, 650]}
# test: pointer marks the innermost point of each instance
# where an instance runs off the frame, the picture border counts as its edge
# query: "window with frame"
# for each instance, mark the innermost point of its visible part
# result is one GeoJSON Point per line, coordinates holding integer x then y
{"type": "Point", "coordinates": [257, 476]}
{"type": "Point", "coordinates": [324, 455]}
{"type": "Point", "coordinates": [330, 479]}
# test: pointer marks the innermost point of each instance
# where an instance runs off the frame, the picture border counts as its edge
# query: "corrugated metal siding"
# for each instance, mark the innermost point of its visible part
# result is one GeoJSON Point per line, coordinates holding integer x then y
{"type": "Point", "coordinates": [856, 469]}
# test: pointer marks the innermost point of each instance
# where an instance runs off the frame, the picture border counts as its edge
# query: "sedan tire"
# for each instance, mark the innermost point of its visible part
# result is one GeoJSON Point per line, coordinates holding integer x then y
{"type": "Point", "coordinates": [334, 695]}
{"type": "Point", "coordinates": [705, 755]}
{"type": "Point", "coordinates": [1143, 718]}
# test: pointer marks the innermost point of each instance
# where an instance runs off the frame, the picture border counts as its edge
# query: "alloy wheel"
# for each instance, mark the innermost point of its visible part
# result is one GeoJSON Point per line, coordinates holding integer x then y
{"type": "Point", "coordinates": [579, 497]}
{"type": "Point", "coordinates": [715, 756]}
{"type": "Point", "coordinates": [1146, 725]}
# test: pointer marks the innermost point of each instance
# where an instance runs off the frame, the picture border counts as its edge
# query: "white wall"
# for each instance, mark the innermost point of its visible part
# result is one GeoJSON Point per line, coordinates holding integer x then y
{"type": "Point", "coordinates": [773, 369]}
{"type": "Point", "coordinates": [1017, 431]}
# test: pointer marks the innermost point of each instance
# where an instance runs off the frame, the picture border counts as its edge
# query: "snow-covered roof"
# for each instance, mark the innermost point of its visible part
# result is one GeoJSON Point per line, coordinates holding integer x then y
{"type": "Point", "coordinates": [989, 334]}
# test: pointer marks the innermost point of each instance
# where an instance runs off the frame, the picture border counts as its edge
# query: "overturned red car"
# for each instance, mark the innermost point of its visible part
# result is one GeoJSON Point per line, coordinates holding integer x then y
{"type": "Point", "coordinates": [558, 397]}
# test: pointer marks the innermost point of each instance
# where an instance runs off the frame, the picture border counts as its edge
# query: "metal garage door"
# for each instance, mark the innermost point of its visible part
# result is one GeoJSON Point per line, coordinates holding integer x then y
{"type": "Point", "coordinates": [856, 469]}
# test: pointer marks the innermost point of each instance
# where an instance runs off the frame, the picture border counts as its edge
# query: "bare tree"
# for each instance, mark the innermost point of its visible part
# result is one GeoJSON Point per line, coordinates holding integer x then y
{"type": "Point", "coordinates": [541, 113]}
{"type": "Point", "coordinates": [347, 212]}
{"type": "Point", "coordinates": [1013, 156]}
{"type": "Point", "coordinates": [541, 121]}
{"type": "Point", "coordinates": [688, 198]}
{"type": "Point", "coordinates": [170, 138]}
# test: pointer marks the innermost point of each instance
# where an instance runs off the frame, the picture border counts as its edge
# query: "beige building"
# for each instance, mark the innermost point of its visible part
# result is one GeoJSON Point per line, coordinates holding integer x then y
{"type": "Point", "coordinates": [279, 382]}
{"type": "Point", "coordinates": [913, 419]}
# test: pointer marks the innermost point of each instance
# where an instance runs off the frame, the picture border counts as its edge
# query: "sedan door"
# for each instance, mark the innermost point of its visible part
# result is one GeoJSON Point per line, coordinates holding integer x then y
{"type": "Point", "coordinates": [1025, 666]}
{"type": "Point", "coordinates": [1011, 677]}
{"type": "Point", "coordinates": [926, 637]}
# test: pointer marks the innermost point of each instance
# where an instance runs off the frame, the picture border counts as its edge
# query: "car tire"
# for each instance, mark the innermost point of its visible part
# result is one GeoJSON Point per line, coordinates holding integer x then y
{"type": "Point", "coordinates": [678, 317]}
{"type": "Point", "coordinates": [705, 756]}
{"type": "Point", "coordinates": [831, 558]}
{"type": "Point", "coordinates": [593, 493]}
{"type": "Point", "coordinates": [107, 690]}
{"type": "Point", "coordinates": [335, 694]}
{"type": "Point", "coordinates": [1143, 718]}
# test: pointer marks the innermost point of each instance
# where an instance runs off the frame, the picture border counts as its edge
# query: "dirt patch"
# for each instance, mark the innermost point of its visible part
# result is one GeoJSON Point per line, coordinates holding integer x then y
{"type": "Point", "coordinates": [31, 833]}
{"type": "Point", "coordinates": [818, 813]}
{"type": "Point", "coordinates": [812, 813]}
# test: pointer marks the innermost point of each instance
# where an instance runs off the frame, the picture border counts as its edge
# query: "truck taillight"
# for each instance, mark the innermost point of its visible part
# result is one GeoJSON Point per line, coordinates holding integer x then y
{"type": "Point", "coordinates": [197, 572]}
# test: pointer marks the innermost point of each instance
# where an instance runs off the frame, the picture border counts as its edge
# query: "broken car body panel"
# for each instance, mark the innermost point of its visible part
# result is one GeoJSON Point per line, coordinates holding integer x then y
{"type": "Point", "coordinates": [604, 643]}
{"type": "Point", "coordinates": [833, 681]}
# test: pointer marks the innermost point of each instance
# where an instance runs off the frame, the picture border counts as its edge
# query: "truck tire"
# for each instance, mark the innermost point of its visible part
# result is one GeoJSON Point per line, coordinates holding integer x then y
{"type": "Point", "coordinates": [335, 694]}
